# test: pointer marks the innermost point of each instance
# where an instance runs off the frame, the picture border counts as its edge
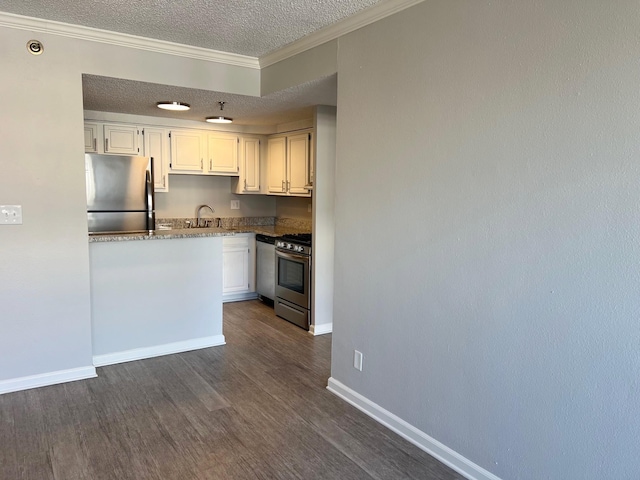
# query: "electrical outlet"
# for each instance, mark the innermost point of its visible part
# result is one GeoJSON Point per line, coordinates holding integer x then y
{"type": "Point", "coordinates": [235, 204]}
{"type": "Point", "coordinates": [10, 214]}
{"type": "Point", "coordinates": [357, 360]}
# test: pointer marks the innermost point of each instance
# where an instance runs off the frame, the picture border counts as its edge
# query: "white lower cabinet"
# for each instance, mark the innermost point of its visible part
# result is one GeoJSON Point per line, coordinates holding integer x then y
{"type": "Point", "coordinates": [238, 267]}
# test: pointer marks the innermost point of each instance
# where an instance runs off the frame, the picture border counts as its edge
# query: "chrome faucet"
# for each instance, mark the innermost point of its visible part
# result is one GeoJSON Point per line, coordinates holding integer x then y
{"type": "Point", "coordinates": [198, 210]}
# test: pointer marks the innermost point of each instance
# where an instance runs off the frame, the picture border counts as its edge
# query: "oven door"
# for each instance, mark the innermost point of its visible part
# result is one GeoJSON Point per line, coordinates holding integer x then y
{"type": "Point", "coordinates": [293, 276]}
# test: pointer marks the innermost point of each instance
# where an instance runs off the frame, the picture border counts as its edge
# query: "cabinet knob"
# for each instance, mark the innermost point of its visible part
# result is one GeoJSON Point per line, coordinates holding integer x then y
{"type": "Point", "coordinates": [106, 144]}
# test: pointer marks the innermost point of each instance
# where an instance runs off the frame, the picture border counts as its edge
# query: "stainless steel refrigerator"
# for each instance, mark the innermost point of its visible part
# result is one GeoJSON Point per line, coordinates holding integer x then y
{"type": "Point", "coordinates": [119, 193]}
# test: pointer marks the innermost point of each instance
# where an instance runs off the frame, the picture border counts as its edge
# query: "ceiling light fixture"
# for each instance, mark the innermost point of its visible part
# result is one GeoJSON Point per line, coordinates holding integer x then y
{"type": "Point", "coordinates": [219, 119]}
{"type": "Point", "coordinates": [175, 106]}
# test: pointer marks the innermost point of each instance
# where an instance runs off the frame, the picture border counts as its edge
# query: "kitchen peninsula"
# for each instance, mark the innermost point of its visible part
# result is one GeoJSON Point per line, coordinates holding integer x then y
{"type": "Point", "coordinates": [161, 292]}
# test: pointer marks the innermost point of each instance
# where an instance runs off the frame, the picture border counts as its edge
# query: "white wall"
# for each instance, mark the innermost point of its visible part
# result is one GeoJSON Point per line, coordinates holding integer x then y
{"type": "Point", "coordinates": [44, 274]}
{"type": "Point", "coordinates": [186, 192]}
{"type": "Point", "coordinates": [487, 230]}
{"type": "Point", "coordinates": [293, 207]}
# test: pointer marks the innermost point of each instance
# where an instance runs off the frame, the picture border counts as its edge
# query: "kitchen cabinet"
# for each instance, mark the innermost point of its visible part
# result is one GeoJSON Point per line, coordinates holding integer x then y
{"type": "Point", "coordinates": [203, 152]}
{"type": "Point", "coordinates": [156, 145]}
{"type": "Point", "coordinates": [238, 267]}
{"type": "Point", "coordinates": [249, 163]}
{"type": "Point", "coordinates": [90, 137]}
{"type": "Point", "coordinates": [290, 165]}
{"type": "Point", "coordinates": [188, 150]}
{"type": "Point", "coordinates": [298, 164]}
{"type": "Point", "coordinates": [121, 139]}
{"type": "Point", "coordinates": [277, 156]}
{"type": "Point", "coordinates": [223, 153]}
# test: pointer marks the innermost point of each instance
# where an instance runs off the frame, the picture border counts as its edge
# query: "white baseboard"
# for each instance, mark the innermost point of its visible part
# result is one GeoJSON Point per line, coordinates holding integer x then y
{"type": "Point", "coordinates": [423, 441]}
{"type": "Point", "coordinates": [239, 297]}
{"type": "Point", "coordinates": [44, 379]}
{"type": "Point", "coordinates": [321, 329]}
{"type": "Point", "coordinates": [158, 350]}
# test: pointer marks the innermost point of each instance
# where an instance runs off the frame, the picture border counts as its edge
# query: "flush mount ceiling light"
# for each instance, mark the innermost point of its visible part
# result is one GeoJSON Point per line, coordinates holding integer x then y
{"type": "Point", "coordinates": [219, 119]}
{"type": "Point", "coordinates": [175, 106]}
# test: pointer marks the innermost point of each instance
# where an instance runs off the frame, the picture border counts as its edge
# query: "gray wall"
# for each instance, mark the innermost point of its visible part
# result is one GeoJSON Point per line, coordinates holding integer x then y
{"type": "Point", "coordinates": [488, 174]}
{"type": "Point", "coordinates": [323, 215]}
{"type": "Point", "coordinates": [45, 323]}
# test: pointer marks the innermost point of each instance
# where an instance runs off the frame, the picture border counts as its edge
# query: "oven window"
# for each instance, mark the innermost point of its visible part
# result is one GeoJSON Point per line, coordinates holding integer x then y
{"type": "Point", "coordinates": [291, 275]}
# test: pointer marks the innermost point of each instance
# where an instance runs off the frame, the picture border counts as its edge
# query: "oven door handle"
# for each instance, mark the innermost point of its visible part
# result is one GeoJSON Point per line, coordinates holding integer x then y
{"type": "Point", "coordinates": [294, 256]}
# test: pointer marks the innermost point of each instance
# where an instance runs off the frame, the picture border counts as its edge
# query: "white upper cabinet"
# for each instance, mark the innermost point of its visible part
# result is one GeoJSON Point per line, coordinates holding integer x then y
{"type": "Point", "coordinates": [277, 155]}
{"type": "Point", "coordinates": [298, 164]}
{"type": "Point", "coordinates": [121, 139]}
{"type": "Point", "coordinates": [187, 151]}
{"type": "Point", "coordinates": [289, 165]}
{"type": "Point", "coordinates": [156, 145]}
{"type": "Point", "coordinates": [222, 154]}
{"type": "Point", "coordinates": [91, 138]}
{"type": "Point", "coordinates": [249, 162]}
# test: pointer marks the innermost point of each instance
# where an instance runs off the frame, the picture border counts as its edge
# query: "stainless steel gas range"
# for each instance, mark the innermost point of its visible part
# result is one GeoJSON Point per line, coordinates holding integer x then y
{"type": "Point", "coordinates": [293, 279]}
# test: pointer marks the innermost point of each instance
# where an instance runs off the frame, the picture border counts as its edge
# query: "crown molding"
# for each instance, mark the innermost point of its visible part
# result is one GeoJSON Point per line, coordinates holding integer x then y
{"type": "Point", "coordinates": [125, 40]}
{"type": "Point", "coordinates": [361, 19]}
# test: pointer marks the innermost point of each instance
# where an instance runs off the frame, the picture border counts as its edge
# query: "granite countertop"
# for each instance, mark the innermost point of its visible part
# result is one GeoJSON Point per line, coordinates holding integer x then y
{"type": "Point", "coordinates": [269, 230]}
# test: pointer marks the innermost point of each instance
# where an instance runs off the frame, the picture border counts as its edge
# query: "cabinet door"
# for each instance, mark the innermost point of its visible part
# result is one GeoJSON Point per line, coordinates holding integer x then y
{"type": "Point", "coordinates": [121, 139]}
{"type": "Point", "coordinates": [277, 159]}
{"type": "Point", "coordinates": [298, 164]}
{"type": "Point", "coordinates": [250, 165]}
{"type": "Point", "coordinates": [312, 160]}
{"type": "Point", "coordinates": [235, 261]}
{"type": "Point", "coordinates": [91, 137]}
{"type": "Point", "coordinates": [187, 151]}
{"type": "Point", "coordinates": [156, 145]}
{"type": "Point", "coordinates": [223, 153]}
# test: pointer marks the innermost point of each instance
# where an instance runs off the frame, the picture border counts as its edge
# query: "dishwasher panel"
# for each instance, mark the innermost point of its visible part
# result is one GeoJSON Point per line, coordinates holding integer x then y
{"type": "Point", "coordinates": [266, 268]}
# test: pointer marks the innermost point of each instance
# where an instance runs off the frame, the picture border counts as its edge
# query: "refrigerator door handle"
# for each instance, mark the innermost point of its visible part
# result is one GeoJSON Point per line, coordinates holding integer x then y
{"type": "Point", "coordinates": [150, 206]}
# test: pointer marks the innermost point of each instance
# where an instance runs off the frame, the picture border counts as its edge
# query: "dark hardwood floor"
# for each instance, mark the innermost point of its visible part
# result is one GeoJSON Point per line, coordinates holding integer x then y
{"type": "Point", "coordinates": [254, 408]}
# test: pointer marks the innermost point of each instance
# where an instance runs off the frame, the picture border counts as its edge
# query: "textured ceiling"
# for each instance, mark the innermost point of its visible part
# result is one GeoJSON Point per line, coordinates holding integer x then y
{"type": "Point", "coordinates": [247, 27]}
{"type": "Point", "coordinates": [126, 96]}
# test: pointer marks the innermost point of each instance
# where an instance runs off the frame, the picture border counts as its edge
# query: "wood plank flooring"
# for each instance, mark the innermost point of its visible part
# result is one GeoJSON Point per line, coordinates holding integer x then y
{"type": "Point", "coordinates": [256, 408]}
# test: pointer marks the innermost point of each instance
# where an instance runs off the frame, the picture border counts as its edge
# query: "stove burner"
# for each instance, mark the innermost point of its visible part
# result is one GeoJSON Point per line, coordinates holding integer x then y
{"type": "Point", "coordinates": [301, 238]}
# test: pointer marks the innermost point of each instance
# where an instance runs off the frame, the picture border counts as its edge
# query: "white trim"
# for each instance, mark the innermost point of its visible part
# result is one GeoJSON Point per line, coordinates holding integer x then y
{"type": "Point", "coordinates": [420, 439]}
{"type": "Point", "coordinates": [361, 19]}
{"type": "Point", "coordinates": [321, 329]}
{"type": "Point", "coordinates": [44, 379]}
{"type": "Point", "coordinates": [125, 40]}
{"type": "Point", "coordinates": [158, 350]}
{"type": "Point", "coordinates": [239, 297]}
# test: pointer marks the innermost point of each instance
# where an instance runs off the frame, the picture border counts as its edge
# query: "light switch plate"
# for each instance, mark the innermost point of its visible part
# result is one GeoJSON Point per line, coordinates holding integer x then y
{"type": "Point", "coordinates": [10, 214]}
{"type": "Point", "coordinates": [357, 360]}
{"type": "Point", "coordinates": [235, 204]}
